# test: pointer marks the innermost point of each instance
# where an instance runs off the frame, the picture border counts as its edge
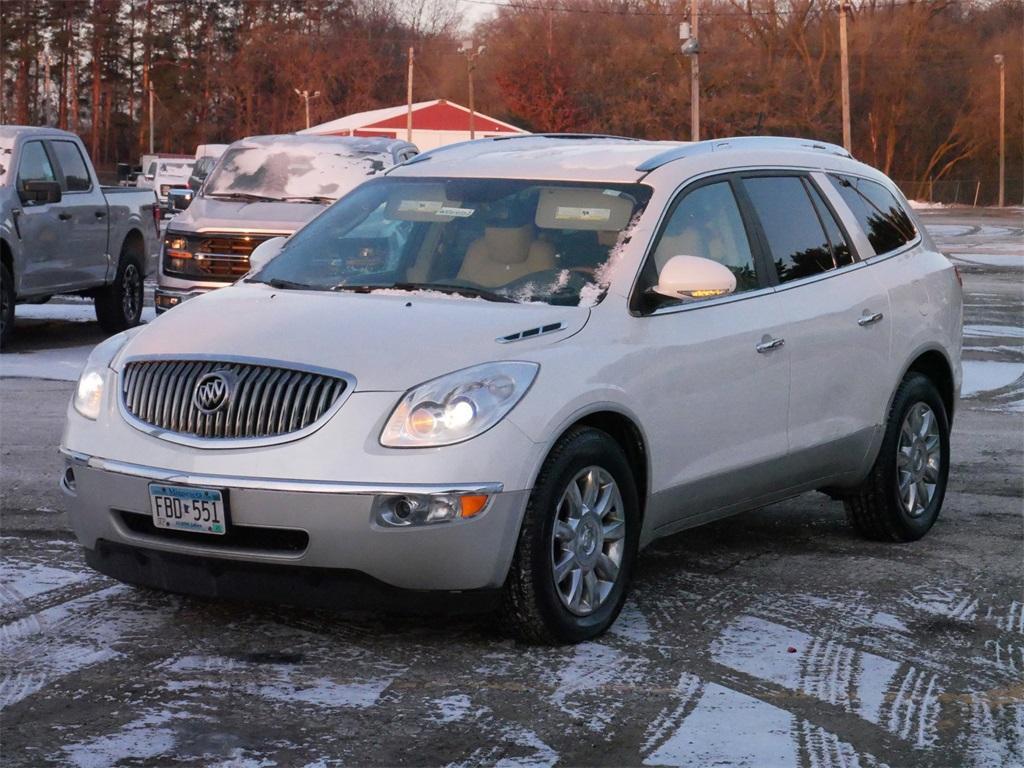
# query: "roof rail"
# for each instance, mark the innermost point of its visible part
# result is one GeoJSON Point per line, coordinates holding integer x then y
{"type": "Point", "coordinates": [423, 156]}
{"type": "Point", "coordinates": [740, 142]}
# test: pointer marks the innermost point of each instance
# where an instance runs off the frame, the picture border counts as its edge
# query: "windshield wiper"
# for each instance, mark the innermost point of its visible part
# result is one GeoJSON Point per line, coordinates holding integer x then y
{"type": "Point", "coordinates": [308, 199]}
{"type": "Point", "coordinates": [463, 290]}
{"type": "Point", "coordinates": [243, 196]}
{"type": "Point", "coordinates": [291, 285]}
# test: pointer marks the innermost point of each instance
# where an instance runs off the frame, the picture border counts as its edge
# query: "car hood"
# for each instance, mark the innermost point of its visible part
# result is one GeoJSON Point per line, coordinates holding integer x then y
{"type": "Point", "coordinates": [207, 214]}
{"type": "Point", "coordinates": [388, 341]}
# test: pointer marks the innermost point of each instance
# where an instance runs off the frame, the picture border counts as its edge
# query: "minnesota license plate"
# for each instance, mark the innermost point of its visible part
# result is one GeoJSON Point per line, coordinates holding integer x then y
{"type": "Point", "coordinates": [183, 508]}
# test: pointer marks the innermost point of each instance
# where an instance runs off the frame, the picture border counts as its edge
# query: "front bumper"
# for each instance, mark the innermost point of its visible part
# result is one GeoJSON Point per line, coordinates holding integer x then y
{"type": "Point", "coordinates": [108, 506]}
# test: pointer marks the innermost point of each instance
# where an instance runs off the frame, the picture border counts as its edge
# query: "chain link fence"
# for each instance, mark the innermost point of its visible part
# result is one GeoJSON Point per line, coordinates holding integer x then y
{"type": "Point", "coordinates": [973, 192]}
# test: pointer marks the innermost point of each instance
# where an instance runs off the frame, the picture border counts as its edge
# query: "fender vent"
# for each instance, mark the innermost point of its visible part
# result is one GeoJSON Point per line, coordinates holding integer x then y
{"type": "Point", "coordinates": [530, 333]}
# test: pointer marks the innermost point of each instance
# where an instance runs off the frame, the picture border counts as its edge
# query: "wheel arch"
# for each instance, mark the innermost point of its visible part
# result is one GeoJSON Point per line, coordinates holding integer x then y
{"type": "Point", "coordinates": [625, 430]}
{"type": "Point", "coordinates": [134, 244]}
{"type": "Point", "coordinates": [934, 363]}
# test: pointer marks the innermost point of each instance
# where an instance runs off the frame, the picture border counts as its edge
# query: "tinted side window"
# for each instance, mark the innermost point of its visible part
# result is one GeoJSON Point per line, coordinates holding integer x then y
{"type": "Point", "coordinates": [842, 254]}
{"type": "Point", "coordinates": [796, 240]}
{"type": "Point", "coordinates": [707, 223]}
{"type": "Point", "coordinates": [34, 164]}
{"type": "Point", "coordinates": [879, 214]}
{"type": "Point", "coordinates": [76, 177]}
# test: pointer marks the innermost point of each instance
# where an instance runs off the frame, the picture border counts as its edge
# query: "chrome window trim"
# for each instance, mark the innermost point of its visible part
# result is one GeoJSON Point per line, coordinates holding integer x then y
{"type": "Point", "coordinates": [221, 443]}
{"type": "Point", "coordinates": [273, 484]}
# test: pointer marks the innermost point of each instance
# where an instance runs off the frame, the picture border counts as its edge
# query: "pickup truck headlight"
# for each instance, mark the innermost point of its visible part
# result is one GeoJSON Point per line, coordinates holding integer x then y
{"type": "Point", "coordinates": [177, 253]}
{"type": "Point", "coordinates": [88, 396]}
{"type": "Point", "coordinates": [457, 406]}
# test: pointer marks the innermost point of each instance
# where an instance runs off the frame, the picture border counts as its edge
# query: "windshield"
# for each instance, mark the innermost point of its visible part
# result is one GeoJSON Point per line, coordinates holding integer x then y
{"type": "Point", "coordinates": [175, 169]}
{"type": "Point", "coordinates": [496, 239]}
{"type": "Point", "coordinates": [303, 172]}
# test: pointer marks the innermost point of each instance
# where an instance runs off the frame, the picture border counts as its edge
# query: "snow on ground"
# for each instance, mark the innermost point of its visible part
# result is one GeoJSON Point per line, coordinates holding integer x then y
{"type": "Point", "coordinates": [982, 376]}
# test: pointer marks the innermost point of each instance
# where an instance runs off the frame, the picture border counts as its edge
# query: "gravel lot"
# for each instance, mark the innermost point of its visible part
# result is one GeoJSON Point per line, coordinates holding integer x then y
{"type": "Point", "coordinates": [774, 638]}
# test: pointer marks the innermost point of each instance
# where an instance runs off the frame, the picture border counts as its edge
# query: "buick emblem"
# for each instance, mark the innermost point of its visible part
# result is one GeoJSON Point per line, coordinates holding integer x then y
{"type": "Point", "coordinates": [212, 392]}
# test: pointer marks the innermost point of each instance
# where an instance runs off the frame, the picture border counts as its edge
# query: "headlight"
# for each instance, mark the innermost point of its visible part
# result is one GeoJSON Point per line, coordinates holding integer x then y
{"type": "Point", "coordinates": [89, 393]}
{"type": "Point", "coordinates": [457, 406]}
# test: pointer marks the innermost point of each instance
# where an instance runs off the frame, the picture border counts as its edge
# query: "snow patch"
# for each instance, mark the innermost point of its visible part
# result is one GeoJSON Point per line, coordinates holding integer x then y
{"type": "Point", "coordinates": [982, 376]}
{"type": "Point", "coordinates": [141, 739]}
{"type": "Point", "coordinates": [19, 582]}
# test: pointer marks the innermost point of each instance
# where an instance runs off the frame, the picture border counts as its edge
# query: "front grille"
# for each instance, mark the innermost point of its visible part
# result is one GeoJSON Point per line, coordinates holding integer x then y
{"type": "Point", "coordinates": [283, 540]}
{"type": "Point", "coordinates": [259, 400]}
{"type": "Point", "coordinates": [218, 258]}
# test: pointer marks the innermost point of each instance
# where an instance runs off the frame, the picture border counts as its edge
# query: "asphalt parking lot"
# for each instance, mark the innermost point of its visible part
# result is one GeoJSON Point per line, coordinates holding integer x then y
{"type": "Point", "coordinates": [776, 638]}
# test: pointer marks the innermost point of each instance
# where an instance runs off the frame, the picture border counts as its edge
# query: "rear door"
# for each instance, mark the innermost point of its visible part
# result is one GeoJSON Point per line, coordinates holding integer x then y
{"type": "Point", "coordinates": [835, 319]}
{"type": "Point", "coordinates": [713, 387]}
{"type": "Point", "coordinates": [84, 252]}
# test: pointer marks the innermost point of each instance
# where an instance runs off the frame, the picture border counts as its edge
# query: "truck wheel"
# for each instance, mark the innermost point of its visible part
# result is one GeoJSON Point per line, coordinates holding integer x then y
{"type": "Point", "coordinates": [572, 564]}
{"type": "Point", "coordinates": [6, 305]}
{"type": "Point", "coordinates": [901, 498]}
{"type": "Point", "coordinates": [119, 305]}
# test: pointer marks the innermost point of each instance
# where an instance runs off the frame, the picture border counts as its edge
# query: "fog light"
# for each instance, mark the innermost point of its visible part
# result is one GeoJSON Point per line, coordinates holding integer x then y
{"type": "Point", "coordinates": [404, 510]}
{"type": "Point", "coordinates": [69, 480]}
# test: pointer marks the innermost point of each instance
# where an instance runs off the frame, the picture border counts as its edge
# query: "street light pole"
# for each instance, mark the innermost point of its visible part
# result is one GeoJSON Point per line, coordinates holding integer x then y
{"type": "Point", "coordinates": [306, 96]}
{"type": "Point", "coordinates": [408, 98]}
{"type": "Point", "coordinates": [1001, 62]}
{"type": "Point", "coordinates": [471, 57]}
{"type": "Point", "coordinates": [844, 67]}
{"type": "Point", "coordinates": [695, 74]}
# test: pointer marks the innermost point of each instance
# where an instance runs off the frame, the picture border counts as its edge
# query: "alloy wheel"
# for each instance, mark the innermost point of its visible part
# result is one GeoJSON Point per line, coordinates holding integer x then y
{"type": "Point", "coordinates": [588, 540]}
{"type": "Point", "coordinates": [918, 458]}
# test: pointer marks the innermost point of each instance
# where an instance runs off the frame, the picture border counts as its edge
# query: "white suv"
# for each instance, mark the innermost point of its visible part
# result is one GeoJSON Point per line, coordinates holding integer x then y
{"type": "Point", "coordinates": [505, 367]}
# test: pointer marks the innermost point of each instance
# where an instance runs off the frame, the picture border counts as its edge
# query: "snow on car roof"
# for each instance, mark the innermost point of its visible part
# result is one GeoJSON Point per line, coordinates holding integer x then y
{"type": "Point", "coordinates": [570, 158]}
{"type": "Point", "coordinates": [316, 144]}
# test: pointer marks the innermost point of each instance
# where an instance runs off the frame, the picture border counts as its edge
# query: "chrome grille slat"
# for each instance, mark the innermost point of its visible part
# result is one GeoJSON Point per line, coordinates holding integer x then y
{"type": "Point", "coordinates": [266, 401]}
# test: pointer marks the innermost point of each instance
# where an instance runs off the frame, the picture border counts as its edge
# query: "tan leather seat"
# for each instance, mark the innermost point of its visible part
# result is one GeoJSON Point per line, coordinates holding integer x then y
{"type": "Point", "coordinates": [505, 254]}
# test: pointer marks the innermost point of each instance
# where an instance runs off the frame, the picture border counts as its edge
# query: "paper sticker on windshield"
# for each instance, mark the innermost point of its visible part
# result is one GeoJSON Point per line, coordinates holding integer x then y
{"type": "Point", "coordinates": [451, 210]}
{"type": "Point", "coordinates": [419, 206]}
{"type": "Point", "coordinates": [568, 213]}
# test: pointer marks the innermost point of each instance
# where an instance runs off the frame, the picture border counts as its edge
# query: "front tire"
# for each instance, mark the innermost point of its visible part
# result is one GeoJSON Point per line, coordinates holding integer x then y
{"type": "Point", "coordinates": [900, 500]}
{"type": "Point", "coordinates": [578, 542]}
{"type": "Point", "coordinates": [119, 305]}
{"type": "Point", "coordinates": [6, 305]}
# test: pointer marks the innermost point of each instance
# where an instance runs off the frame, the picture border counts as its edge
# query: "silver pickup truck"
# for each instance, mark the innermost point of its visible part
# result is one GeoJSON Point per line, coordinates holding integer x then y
{"type": "Point", "coordinates": [61, 232]}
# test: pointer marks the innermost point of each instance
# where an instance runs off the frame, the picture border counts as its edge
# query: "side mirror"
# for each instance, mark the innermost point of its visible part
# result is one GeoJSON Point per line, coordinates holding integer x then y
{"type": "Point", "coordinates": [180, 199]}
{"type": "Point", "coordinates": [40, 192]}
{"type": "Point", "coordinates": [264, 252]}
{"type": "Point", "coordinates": [693, 277]}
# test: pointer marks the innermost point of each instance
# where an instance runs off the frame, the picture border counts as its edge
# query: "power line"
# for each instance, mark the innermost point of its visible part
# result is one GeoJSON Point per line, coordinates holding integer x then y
{"type": "Point", "coordinates": [667, 13]}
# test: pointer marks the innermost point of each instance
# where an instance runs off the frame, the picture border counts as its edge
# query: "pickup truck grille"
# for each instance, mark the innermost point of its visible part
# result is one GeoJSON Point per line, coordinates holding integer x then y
{"type": "Point", "coordinates": [216, 258]}
{"type": "Point", "coordinates": [226, 400]}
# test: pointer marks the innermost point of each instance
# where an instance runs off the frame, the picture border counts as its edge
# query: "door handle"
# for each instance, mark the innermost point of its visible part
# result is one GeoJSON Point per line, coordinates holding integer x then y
{"type": "Point", "coordinates": [100, 214]}
{"type": "Point", "coordinates": [64, 216]}
{"type": "Point", "coordinates": [868, 318]}
{"type": "Point", "coordinates": [768, 344]}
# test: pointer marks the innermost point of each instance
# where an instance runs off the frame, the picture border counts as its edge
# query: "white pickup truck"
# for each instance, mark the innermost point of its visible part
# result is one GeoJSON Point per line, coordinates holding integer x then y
{"type": "Point", "coordinates": [61, 232]}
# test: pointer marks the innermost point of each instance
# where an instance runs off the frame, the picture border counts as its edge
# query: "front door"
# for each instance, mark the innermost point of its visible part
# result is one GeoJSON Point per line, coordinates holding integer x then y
{"type": "Point", "coordinates": [714, 381]}
{"type": "Point", "coordinates": [39, 227]}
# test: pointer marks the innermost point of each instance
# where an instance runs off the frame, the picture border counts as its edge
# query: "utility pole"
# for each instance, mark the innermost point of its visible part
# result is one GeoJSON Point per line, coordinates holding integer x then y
{"type": "Point", "coordinates": [150, 120]}
{"type": "Point", "coordinates": [1001, 62]}
{"type": "Point", "coordinates": [306, 96]}
{"type": "Point", "coordinates": [471, 57]}
{"type": "Point", "coordinates": [844, 67]}
{"type": "Point", "coordinates": [408, 98]}
{"type": "Point", "coordinates": [690, 46]}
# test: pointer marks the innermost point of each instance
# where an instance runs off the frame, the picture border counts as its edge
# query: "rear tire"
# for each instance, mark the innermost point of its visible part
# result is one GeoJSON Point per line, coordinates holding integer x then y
{"type": "Point", "coordinates": [589, 535]}
{"type": "Point", "coordinates": [119, 305]}
{"type": "Point", "coordinates": [6, 306]}
{"type": "Point", "coordinates": [901, 498]}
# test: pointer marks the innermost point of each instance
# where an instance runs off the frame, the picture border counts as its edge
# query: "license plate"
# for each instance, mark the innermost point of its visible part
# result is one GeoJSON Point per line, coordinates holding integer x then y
{"type": "Point", "coordinates": [183, 508]}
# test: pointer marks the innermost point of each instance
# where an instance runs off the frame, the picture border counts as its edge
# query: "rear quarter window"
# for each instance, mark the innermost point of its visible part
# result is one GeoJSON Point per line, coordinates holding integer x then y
{"type": "Point", "coordinates": [877, 211]}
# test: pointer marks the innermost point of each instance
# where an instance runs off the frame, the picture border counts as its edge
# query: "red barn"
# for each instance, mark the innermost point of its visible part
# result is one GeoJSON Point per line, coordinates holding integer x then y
{"type": "Point", "coordinates": [434, 124]}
